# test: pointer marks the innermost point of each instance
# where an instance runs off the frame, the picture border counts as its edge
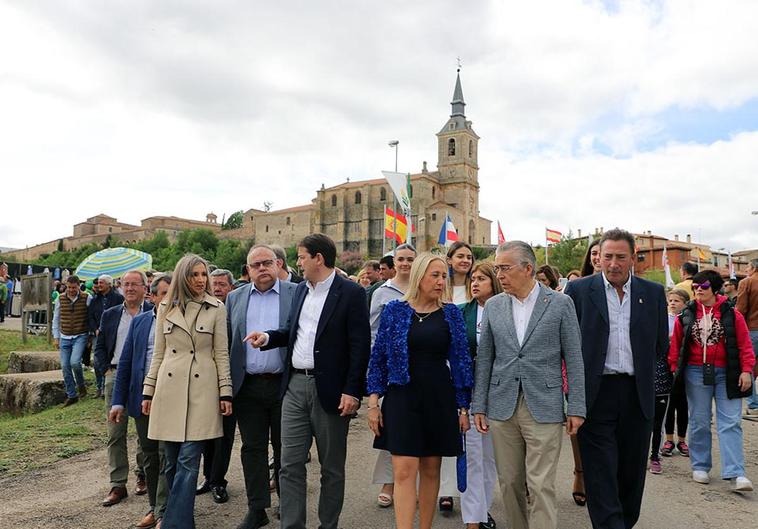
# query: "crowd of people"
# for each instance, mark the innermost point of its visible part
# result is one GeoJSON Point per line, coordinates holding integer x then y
{"type": "Point", "coordinates": [470, 372]}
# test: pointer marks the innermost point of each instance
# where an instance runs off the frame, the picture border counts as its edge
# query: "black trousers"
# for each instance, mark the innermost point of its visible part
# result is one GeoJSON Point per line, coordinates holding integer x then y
{"type": "Point", "coordinates": [614, 443]}
{"type": "Point", "coordinates": [218, 452]}
{"type": "Point", "coordinates": [677, 410]}
{"type": "Point", "coordinates": [259, 414]}
{"type": "Point", "coordinates": [661, 405]}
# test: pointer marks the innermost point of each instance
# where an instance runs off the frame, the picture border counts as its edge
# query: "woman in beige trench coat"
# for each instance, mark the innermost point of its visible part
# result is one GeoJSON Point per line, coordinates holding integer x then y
{"type": "Point", "coordinates": [188, 387]}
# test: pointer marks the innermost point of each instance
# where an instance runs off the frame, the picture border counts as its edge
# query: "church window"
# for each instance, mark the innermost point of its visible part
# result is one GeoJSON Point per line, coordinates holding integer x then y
{"type": "Point", "coordinates": [452, 126]}
{"type": "Point", "coordinates": [434, 217]}
{"type": "Point", "coordinates": [358, 197]}
{"type": "Point", "coordinates": [382, 194]}
{"type": "Point", "coordinates": [451, 147]}
{"type": "Point", "coordinates": [266, 228]}
{"type": "Point", "coordinates": [470, 148]}
{"type": "Point", "coordinates": [434, 192]}
{"type": "Point", "coordinates": [288, 221]}
{"type": "Point", "coordinates": [334, 201]}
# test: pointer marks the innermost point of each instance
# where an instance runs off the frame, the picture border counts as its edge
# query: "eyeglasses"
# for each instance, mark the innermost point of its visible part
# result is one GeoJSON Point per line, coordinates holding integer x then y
{"type": "Point", "coordinates": [705, 285]}
{"type": "Point", "coordinates": [268, 263]}
{"type": "Point", "coordinates": [504, 268]}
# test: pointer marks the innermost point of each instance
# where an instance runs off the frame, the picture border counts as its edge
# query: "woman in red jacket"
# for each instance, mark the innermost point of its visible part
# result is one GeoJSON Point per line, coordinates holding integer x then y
{"type": "Point", "coordinates": [711, 350]}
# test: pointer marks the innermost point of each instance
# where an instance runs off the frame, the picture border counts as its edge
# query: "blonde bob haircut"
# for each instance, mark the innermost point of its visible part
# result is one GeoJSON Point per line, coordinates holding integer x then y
{"type": "Point", "coordinates": [418, 270]}
{"type": "Point", "coordinates": [179, 291]}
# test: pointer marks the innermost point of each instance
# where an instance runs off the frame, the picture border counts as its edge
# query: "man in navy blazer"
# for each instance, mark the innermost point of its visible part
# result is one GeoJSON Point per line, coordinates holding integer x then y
{"type": "Point", "coordinates": [624, 326]}
{"type": "Point", "coordinates": [328, 340]}
{"type": "Point", "coordinates": [111, 337]}
{"type": "Point", "coordinates": [257, 375]}
{"type": "Point", "coordinates": [127, 398]}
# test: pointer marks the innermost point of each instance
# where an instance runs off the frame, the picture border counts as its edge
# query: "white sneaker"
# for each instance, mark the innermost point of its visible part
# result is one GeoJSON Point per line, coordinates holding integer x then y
{"type": "Point", "coordinates": [741, 484]}
{"type": "Point", "coordinates": [701, 476]}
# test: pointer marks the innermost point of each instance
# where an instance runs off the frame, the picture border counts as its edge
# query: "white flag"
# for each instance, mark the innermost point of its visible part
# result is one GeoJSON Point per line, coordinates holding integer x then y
{"type": "Point", "coordinates": [667, 268]}
{"type": "Point", "coordinates": [399, 184]}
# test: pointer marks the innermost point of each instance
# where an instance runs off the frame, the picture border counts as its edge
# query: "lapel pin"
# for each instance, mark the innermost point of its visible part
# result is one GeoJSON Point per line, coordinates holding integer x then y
{"type": "Point", "coordinates": [641, 300]}
{"type": "Point", "coordinates": [544, 300]}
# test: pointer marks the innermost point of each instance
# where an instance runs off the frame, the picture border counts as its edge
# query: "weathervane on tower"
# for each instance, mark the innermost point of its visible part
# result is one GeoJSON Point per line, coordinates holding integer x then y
{"type": "Point", "coordinates": [460, 64]}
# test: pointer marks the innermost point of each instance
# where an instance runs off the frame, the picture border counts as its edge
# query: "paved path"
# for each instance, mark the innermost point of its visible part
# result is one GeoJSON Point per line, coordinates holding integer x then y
{"type": "Point", "coordinates": [67, 496]}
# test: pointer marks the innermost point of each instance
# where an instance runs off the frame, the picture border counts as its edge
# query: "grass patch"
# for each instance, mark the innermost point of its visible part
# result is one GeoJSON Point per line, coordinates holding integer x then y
{"type": "Point", "coordinates": [11, 341]}
{"type": "Point", "coordinates": [36, 440]}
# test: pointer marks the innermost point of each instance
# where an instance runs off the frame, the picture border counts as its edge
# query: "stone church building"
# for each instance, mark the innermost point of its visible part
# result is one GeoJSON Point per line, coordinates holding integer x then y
{"type": "Point", "coordinates": [352, 213]}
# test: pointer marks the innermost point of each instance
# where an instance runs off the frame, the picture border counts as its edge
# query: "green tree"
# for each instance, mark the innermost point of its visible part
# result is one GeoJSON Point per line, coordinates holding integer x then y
{"type": "Point", "coordinates": [231, 254]}
{"type": "Point", "coordinates": [566, 255]}
{"type": "Point", "coordinates": [233, 222]}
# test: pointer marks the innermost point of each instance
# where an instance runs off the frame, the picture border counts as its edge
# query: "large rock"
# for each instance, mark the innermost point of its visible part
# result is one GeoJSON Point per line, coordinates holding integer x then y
{"type": "Point", "coordinates": [33, 361]}
{"type": "Point", "coordinates": [31, 392]}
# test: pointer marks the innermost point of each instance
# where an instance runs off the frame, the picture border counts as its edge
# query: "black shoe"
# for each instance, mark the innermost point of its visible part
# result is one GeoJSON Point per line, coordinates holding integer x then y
{"type": "Point", "coordinates": [69, 401]}
{"type": "Point", "coordinates": [219, 494]}
{"type": "Point", "coordinates": [489, 524]}
{"type": "Point", "coordinates": [204, 487]}
{"type": "Point", "coordinates": [254, 520]}
{"type": "Point", "coordinates": [446, 504]}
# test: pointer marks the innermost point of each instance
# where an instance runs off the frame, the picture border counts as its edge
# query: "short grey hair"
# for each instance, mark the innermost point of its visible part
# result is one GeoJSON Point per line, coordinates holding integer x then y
{"type": "Point", "coordinates": [523, 250]}
{"type": "Point", "coordinates": [105, 277]}
{"type": "Point", "coordinates": [265, 246]}
{"type": "Point", "coordinates": [278, 251]}
{"type": "Point", "coordinates": [159, 278]}
{"type": "Point", "coordinates": [754, 263]}
{"type": "Point", "coordinates": [219, 272]}
{"type": "Point", "coordinates": [141, 274]}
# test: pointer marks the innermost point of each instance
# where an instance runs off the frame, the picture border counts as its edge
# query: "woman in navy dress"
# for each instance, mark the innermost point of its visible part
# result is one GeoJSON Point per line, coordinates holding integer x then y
{"type": "Point", "coordinates": [420, 363]}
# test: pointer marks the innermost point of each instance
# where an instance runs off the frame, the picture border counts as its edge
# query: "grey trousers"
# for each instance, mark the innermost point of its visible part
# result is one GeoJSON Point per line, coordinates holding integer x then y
{"type": "Point", "coordinates": [303, 418]}
{"type": "Point", "coordinates": [118, 456]}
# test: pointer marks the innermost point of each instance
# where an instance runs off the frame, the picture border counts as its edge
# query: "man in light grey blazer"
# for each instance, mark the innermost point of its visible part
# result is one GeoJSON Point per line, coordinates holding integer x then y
{"type": "Point", "coordinates": [518, 391]}
{"type": "Point", "coordinates": [257, 375]}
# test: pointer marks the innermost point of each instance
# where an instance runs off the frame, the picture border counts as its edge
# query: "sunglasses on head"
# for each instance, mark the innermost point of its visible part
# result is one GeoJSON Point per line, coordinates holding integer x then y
{"type": "Point", "coordinates": [705, 285]}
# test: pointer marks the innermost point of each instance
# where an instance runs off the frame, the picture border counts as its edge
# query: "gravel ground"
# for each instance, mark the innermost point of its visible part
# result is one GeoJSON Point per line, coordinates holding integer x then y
{"type": "Point", "coordinates": [67, 495]}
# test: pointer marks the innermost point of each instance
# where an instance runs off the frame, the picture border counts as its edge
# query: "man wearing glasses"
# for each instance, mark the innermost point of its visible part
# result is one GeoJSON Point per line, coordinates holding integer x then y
{"type": "Point", "coordinates": [111, 337]}
{"type": "Point", "coordinates": [257, 375]}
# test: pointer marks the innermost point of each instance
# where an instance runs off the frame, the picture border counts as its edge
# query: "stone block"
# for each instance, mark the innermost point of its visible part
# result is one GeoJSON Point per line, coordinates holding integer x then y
{"type": "Point", "coordinates": [31, 392]}
{"type": "Point", "coordinates": [33, 361]}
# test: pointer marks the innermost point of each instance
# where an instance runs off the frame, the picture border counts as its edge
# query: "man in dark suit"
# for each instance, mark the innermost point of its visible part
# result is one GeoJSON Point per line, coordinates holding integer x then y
{"type": "Point", "coordinates": [257, 376]}
{"type": "Point", "coordinates": [624, 327]}
{"type": "Point", "coordinates": [111, 337]}
{"type": "Point", "coordinates": [106, 297]}
{"type": "Point", "coordinates": [327, 340]}
{"type": "Point", "coordinates": [127, 398]}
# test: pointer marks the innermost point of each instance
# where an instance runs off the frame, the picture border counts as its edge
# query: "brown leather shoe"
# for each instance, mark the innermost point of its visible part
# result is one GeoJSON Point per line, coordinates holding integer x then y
{"type": "Point", "coordinates": [141, 487]}
{"type": "Point", "coordinates": [147, 522]}
{"type": "Point", "coordinates": [115, 496]}
{"type": "Point", "coordinates": [82, 391]}
{"type": "Point", "coordinates": [69, 401]}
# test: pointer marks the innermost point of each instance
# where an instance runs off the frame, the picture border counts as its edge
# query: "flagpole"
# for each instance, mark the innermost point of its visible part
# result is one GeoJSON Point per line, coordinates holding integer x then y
{"type": "Point", "coordinates": [547, 248]}
{"type": "Point", "coordinates": [384, 229]}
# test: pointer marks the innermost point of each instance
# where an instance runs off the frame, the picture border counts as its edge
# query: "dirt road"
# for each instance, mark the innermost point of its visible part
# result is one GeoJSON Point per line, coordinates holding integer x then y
{"type": "Point", "coordinates": [67, 495]}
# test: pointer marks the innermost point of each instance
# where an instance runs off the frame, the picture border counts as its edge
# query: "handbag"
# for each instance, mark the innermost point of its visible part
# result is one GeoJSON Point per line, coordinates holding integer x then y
{"type": "Point", "coordinates": [461, 467]}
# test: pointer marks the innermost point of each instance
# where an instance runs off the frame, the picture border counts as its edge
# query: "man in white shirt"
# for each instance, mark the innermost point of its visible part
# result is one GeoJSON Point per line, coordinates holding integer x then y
{"type": "Point", "coordinates": [328, 341]}
{"type": "Point", "coordinates": [527, 332]}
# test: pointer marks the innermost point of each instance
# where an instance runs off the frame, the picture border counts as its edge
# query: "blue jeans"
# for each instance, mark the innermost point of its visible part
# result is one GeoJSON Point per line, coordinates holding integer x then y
{"type": "Point", "coordinates": [181, 467]}
{"type": "Point", "coordinates": [728, 423]}
{"type": "Point", "coordinates": [71, 350]}
{"type": "Point", "coordinates": [752, 401]}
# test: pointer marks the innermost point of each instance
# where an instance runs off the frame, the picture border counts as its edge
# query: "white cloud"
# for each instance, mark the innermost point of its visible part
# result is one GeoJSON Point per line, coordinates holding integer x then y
{"type": "Point", "coordinates": [220, 106]}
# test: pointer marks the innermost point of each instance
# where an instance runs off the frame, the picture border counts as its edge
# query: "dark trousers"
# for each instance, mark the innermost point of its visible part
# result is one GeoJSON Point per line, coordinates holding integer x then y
{"type": "Point", "coordinates": [661, 405]}
{"type": "Point", "coordinates": [678, 410]}
{"type": "Point", "coordinates": [614, 443]}
{"type": "Point", "coordinates": [218, 452]}
{"type": "Point", "coordinates": [2, 311]}
{"type": "Point", "coordinates": [259, 414]}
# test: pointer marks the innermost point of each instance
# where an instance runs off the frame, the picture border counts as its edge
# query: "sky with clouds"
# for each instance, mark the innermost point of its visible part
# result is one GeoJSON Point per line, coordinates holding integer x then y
{"type": "Point", "coordinates": [639, 114]}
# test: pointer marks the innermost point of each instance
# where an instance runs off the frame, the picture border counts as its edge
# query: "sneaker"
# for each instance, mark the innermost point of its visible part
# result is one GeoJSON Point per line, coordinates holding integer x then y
{"type": "Point", "coordinates": [683, 449]}
{"type": "Point", "coordinates": [655, 467]}
{"type": "Point", "coordinates": [741, 484]}
{"type": "Point", "coordinates": [701, 476]}
{"type": "Point", "coordinates": [667, 449]}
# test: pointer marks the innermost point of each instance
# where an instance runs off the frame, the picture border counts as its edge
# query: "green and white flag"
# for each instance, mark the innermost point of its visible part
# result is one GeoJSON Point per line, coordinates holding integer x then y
{"type": "Point", "coordinates": [400, 184]}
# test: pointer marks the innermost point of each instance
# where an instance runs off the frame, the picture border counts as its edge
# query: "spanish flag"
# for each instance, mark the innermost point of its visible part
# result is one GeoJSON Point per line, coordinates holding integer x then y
{"type": "Point", "coordinates": [553, 236]}
{"type": "Point", "coordinates": [395, 230]}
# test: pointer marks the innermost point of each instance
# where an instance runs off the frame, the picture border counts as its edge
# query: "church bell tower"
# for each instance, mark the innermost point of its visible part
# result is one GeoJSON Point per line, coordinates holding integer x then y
{"type": "Point", "coordinates": [457, 143]}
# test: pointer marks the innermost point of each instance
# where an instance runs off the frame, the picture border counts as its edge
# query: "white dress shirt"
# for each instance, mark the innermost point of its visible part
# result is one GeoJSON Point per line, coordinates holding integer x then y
{"type": "Point", "coordinates": [522, 311]}
{"type": "Point", "coordinates": [619, 358]}
{"type": "Point", "coordinates": [313, 305]}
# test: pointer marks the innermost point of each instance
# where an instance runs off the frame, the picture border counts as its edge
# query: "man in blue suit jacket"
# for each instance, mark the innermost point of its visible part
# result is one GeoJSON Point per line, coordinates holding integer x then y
{"type": "Point", "coordinates": [327, 340]}
{"type": "Point", "coordinates": [257, 375]}
{"type": "Point", "coordinates": [111, 337]}
{"type": "Point", "coordinates": [624, 326]}
{"type": "Point", "coordinates": [127, 395]}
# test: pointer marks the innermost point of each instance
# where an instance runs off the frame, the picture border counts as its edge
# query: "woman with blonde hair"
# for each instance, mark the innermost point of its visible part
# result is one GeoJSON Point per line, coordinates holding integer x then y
{"type": "Point", "coordinates": [425, 405]}
{"type": "Point", "coordinates": [188, 387]}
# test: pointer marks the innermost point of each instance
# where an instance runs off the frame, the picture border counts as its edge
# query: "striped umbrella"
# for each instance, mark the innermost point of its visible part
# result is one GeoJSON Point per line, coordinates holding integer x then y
{"type": "Point", "coordinates": [113, 261]}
